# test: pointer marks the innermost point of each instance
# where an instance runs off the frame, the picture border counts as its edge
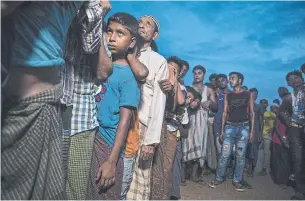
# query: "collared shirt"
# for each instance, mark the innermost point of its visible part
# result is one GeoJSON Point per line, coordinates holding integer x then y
{"type": "Point", "coordinates": [298, 106]}
{"type": "Point", "coordinates": [84, 113]}
{"type": "Point", "coordinates": [153, 100]}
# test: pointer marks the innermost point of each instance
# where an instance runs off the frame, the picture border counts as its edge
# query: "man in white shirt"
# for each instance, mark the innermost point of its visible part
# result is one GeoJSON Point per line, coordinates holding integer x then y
{"type": "Point", "coordinates": [151, 109]}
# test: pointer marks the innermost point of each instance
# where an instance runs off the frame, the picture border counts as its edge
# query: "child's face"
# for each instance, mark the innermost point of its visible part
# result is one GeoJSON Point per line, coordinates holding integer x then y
{"type": "Point", "coordinates": [195, 104]}
{"type": "Point", "coordinates": [119, 39]}
{"type": "Point", "coordinates": [173, 71]}
{"type": "Point", "coordinates": [189, 98]}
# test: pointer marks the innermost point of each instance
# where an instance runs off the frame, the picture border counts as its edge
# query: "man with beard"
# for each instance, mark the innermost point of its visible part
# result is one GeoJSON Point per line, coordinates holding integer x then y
{"type": "Point", "coordinates": [238, 112]}
{"type": "Point", "coordinates": [296, 133]}
{"type": "Point", "coordinates": [151, 109]}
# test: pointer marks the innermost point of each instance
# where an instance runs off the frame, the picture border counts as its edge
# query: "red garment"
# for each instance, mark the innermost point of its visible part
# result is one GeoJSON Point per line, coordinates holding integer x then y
{"type": "Point", "coordinates": [282, 129]}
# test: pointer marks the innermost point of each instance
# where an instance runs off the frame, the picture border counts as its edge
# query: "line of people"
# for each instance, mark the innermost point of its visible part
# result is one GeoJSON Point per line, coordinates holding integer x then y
{"type": "Point", "coordinates": [91, 110]}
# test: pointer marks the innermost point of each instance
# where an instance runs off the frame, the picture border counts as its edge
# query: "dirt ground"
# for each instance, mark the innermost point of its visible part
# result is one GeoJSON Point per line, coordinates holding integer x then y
{"type": "Point", "coordinates": [263, 189]}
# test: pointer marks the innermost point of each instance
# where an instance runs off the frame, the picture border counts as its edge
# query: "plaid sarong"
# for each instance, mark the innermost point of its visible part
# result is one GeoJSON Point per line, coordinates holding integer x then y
{"type": "Point", "coordinates": [140, 186]}
{"type": "Point", "coordinates": [31, 145]}
{"type": "Point", "coordinates": [101, 153]}
{"type": "Point", "coordinates": [80, 157]}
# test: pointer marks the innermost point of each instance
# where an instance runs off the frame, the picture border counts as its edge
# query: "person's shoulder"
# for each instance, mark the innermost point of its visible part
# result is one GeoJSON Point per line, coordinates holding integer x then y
{"type": "Point", "coordinates": [158, 57]}
{"type": "Point", "coordinates": [122, 73]}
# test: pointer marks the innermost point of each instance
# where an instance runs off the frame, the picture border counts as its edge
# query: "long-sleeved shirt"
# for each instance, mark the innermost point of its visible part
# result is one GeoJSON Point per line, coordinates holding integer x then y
{"type": "Point", "coordinates": [153, 100]}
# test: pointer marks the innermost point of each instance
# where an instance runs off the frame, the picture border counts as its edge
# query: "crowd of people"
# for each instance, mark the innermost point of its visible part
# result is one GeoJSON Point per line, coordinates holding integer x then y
{"type": "Point", "coordinates": [91, 110]}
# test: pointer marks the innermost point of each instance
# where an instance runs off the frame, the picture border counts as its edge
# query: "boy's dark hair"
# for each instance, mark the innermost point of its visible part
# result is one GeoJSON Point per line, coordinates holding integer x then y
{"type": "Point", "coordinates": [263, 100]}
{"type": "Point", "coordinates": [254, 90]}
{"type": "Point", "coordinates": [222, 76]}
{"type": "Point", "coordinates": [127, 20]}
{"type": "Point", "coordinates": [295, 72]}
{"type": "Point", "coordinates": [196, 94]}
{"type": "Point", "coordinates": [213, 76]}
{"type": "Point", "coordinates": [177, 61]}
{"type": "Point", "coordinates": [283, 91]}
{"type": "Point", "coordinates": [239, 75]}
{"type": "Point", "coordinates": [199, 67]}
{"type": "Point", "coordinates": [277, 101]}
{"type": "Point", "coordinates": [185, 63]}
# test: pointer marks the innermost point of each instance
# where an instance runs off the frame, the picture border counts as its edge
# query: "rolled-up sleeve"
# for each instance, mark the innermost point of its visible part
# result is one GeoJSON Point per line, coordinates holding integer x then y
{"type": "Point", "coordinates": [91, 22]}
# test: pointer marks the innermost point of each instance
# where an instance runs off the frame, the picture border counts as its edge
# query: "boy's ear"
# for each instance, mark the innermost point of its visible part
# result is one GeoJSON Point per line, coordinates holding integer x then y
{"type": "Point", "coordinates": [133, 42]}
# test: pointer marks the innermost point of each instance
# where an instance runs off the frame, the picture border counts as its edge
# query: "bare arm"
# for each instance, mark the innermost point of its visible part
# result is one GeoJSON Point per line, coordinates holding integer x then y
{"type": "Point", "coordinates": [276, 126]}
{"type": "Point", "coordinates": [175, 98]}
{"type": "Point", "coordinates": [121, 133]}
{"type": "Point", "coordinates": [252, 115]}
{"type": "Point", "coordinates": [224, 115]}
{"type": "Point", "coordinates": [180, 97]}
{"type": "Point", "coordinates": [139, 70]}
{"type": "Point", "coordinates": [284, 118]}
{"type": "Point", "coordinates": [106, 172]}
{"type": "Point", "coordinates": [104, 63]}
{"type": "Point", "coordinates": [212, 99]}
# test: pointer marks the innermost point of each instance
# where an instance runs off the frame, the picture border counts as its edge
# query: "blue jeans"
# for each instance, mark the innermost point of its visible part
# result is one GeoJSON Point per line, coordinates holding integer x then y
{"type": "Point", "coordinates": [127, 176]}
{"type": "Point", "coordinates": [238, 135]}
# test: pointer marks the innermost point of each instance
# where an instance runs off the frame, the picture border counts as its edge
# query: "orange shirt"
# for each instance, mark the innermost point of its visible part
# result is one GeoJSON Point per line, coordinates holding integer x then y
{"type": "Point", "coordinates": [132, 141]}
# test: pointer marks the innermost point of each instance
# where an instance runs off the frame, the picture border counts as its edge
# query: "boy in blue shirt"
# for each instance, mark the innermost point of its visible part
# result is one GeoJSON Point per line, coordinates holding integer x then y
{"type": "Point", "coordinates": [120, 96]}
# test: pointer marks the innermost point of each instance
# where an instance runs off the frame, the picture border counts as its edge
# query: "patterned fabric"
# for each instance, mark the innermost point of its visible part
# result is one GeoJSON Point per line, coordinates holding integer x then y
{"type": "Point", "coordinates": [83, 37]}
{"type": "Point", "coordinates": [194, 147]}
{"type": "Point", "coordinates": [84, 114]}
{"type": "Point", "coordinates": [31, 146]}
{"type": "Point", "coordinates": [298, 106]}
{"type": "Point", "coordinates": [162, 170]}
{"type": "Point", "coordinates": [101, 152]}
{"type": "Point", "coordinates": [80, 156]}
{"type": "Point", "coordinates": [141, 180]}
